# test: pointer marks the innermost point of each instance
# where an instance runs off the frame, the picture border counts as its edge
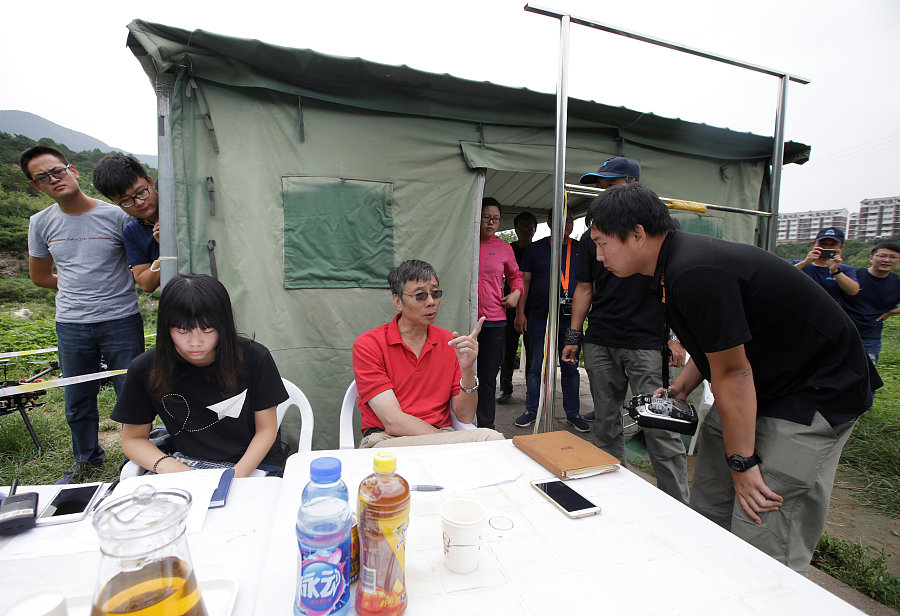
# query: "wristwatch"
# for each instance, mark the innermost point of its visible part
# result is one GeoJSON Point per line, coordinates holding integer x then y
{"type": "Point", "coordinates": [833, 274]}
{"type": "Point", "coordinates": [741, 464]}
{"type": "Point", "coordinates": [466, 389]}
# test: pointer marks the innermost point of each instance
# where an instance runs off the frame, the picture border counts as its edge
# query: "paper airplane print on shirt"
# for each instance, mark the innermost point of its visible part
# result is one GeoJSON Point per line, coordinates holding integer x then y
{"type": "Point", "coordinates": [178, 409]}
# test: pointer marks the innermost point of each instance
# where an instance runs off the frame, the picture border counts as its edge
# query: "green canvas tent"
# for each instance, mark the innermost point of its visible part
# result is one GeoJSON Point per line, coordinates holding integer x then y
{"type": "Point", "coordinates": [299, 179]}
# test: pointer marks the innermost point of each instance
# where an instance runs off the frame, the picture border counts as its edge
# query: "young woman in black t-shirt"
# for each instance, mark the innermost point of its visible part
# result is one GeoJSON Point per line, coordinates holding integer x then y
{"type": "Point", "coordinates": [215, 391]}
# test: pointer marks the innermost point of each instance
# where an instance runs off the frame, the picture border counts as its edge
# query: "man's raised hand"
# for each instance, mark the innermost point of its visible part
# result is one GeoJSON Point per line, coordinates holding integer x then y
{"type": "Point", "coordinates": [466, 347]}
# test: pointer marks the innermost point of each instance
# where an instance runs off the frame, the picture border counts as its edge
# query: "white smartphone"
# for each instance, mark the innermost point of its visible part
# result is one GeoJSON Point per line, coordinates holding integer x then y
{"type": "Point", "coordinates": [70, 504]}
{"type": "Point", "coordinates": [565, 498]}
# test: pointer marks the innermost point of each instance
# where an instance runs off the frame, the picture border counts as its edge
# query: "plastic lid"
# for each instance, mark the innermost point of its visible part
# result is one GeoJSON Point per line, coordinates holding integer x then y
{"type": "Point", "coordinates": [142, 521]}
{"type": "Point", "coordinates": [385, 462]}
{"type": "Point", "coordinates": [325, 470]}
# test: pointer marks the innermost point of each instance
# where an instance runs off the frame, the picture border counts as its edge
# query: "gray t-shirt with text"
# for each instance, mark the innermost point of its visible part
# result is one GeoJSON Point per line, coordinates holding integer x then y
{"type": "Point", "coordinates": [94, 281]}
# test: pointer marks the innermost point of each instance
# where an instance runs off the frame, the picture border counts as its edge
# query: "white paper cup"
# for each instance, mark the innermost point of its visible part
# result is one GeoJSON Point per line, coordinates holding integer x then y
{"type": "Point", "coordinates": [42, 604]}
{"type": "Point", "coordinates": [462, 522]}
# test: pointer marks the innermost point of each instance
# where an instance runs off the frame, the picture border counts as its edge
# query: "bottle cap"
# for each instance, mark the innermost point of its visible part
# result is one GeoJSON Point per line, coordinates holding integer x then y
{"type": "Point", "coordinates": [325, 470]}
{"type": "Point", "coordinates": [385, 462]}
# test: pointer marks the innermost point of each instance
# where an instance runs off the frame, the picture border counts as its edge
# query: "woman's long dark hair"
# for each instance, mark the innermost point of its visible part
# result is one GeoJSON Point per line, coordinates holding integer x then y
{"type": "Point", "coordinates": [186, 302]}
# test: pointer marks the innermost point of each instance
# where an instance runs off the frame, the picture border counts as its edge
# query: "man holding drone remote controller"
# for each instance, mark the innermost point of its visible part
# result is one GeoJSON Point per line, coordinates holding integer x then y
{"type": "Point", "coordinates": [787, 367]}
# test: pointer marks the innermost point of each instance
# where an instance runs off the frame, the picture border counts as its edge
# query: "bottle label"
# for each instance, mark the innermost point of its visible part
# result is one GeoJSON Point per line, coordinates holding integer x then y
{"type": "Point", "coordinates": [323, 584]}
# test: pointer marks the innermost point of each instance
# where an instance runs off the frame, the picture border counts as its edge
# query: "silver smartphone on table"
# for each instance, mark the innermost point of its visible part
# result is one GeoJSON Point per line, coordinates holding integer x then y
{"type": "Point", "coordinates": [70, 504]}
{"type": "Point", "coordinates": [566, 499]}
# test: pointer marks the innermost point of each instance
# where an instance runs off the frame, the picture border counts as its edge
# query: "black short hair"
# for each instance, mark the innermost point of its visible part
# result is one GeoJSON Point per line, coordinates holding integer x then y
{"type": "Point", "coordinates": [116, 173]}
{"type": "Point", "coordinates": [524, 216]}
{"type": "Point", "coordinates": [35, 151]}
{"type": "Point", "coordinates": [188, 301]}
{"type": "Point", "coordinates": [491, 201]}
{"type": "Point", "coordinates": [410, 271]}
{"type": "Point", "coordinates": [621, 208]}
{"type": "Point", "coordinates": [893, 246]}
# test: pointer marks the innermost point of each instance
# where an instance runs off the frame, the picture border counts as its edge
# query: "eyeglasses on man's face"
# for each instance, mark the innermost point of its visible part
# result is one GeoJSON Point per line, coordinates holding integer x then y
{"type": "Point", "coordinates": [486, 218]}
{"type": "Point", "coordinates": [422, 296]}
{"type": "Point", "coordinates": [887, 256]}
{"type": "Point", "coordinates": [44, 178]}
{"type": "Point", "coordinates": [140, 195]}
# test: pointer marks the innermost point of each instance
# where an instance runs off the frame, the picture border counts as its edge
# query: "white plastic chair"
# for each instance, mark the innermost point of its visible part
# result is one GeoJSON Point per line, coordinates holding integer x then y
{"type": "Point", "coordinates": [706, 402]}
{"type": "Point", "coordinates": [295, 397]}
{"type": "Point", "coordinates": [348, 408]}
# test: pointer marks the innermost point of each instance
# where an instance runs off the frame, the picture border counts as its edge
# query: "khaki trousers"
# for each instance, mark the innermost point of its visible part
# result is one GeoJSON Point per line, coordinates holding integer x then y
{"type": "Point", "coordinates": [798, 463]}
{"type": "Point", "coordinates": [446, 436]}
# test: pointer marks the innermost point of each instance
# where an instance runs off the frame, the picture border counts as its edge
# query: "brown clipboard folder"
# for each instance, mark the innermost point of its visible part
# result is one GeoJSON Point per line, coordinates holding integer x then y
{"type": "Point", "coordinates": [566, 455]}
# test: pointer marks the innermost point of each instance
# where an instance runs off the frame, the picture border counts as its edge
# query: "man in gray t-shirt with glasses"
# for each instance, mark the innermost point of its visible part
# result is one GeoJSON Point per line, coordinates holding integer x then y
{"type": "Point", "coordinates": [97, 314]}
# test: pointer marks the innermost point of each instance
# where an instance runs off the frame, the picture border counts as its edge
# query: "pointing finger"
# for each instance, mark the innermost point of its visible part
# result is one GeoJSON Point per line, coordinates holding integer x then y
{"type": "Point", "coordinates": [477, 329]}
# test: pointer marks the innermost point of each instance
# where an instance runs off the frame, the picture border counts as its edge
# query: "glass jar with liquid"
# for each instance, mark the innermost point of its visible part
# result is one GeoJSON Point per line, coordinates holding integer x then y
{"type": "Point", "coordinates": [145, 566]}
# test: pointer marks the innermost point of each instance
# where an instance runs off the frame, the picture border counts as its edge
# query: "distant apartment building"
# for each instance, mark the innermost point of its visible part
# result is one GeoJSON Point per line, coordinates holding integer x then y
{"type": "Point", "coordinates": [878, 217]}
{"type": "Point", "coordinates": [803, 226]}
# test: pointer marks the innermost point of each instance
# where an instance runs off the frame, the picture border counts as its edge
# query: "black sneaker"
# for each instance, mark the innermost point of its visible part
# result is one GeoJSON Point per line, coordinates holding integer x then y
{"type": "Point", "coordinates": [525, 419]}
{"type": "Point", "coordinates": [577, 422]}
{"type": "Point", "coordinates": [589, 417]}
{"type": "Point", "coordinates": [503, 396]}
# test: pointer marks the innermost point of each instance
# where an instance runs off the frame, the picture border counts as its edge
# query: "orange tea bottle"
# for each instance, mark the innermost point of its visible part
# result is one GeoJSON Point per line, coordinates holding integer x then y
{"type": "Point", "coordinates": [383, 509]}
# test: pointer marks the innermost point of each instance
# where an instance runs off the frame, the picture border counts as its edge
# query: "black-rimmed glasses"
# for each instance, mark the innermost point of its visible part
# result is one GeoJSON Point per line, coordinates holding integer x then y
{"type": "Point", "coordinates": [58, 173]}
{"type": "Point", "coordinates": [140, 195]}
{"type": "Point", "coordinates": [422, 296]}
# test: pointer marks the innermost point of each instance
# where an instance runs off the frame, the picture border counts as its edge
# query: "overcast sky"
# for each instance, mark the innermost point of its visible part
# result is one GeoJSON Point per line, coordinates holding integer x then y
{"type": "Point", "coordinates": [69, 64]}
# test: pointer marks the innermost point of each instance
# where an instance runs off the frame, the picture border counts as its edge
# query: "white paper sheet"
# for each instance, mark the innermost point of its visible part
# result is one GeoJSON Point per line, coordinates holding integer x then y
{"type": "Point", "coordinates": [200, 484]}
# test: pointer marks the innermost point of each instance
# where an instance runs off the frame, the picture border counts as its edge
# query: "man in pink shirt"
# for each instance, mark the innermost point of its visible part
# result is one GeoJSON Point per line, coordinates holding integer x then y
{"type": "Point", "coordinates": [496, 260]}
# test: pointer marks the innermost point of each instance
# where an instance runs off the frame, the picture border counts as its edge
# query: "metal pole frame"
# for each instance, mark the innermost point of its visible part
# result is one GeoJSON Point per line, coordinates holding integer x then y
{"type": "Point", "coordinates": [547, 403]}
{"type": "Point", "coordinates": [548, 376]}
{"type": "Point", "coordinates": [785, 78]}
{"type": "Point", "coordinates": [168, 240]}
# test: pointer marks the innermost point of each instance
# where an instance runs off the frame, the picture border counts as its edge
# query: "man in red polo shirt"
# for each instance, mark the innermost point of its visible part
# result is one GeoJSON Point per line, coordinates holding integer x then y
{"type": "Point", "coordinates": [411, 373]}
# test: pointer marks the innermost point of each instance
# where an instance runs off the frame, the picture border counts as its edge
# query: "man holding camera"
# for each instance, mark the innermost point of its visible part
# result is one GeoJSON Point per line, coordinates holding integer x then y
{"type": "Point", "coordinates": [823, 264]}
{"type": "Point", "coordinates": [531, 316]}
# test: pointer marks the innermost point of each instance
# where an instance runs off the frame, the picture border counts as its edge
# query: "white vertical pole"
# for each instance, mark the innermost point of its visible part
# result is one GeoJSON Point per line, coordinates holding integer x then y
{"type": "Point", "coordinates": [548, 385]}
{"type": "Point", "coordinates": [168, 241]}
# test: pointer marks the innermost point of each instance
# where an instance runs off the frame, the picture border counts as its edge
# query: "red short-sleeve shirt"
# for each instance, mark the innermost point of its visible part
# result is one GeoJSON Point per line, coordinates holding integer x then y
{"type": "Point", "coordinates": [423, 385]}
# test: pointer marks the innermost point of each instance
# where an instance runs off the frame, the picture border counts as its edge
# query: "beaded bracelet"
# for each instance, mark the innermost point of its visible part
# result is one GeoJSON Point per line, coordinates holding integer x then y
{"type": "Point", "coordinates": [160, 460]}
{"type": "Point", "coordinates": [573, 336]}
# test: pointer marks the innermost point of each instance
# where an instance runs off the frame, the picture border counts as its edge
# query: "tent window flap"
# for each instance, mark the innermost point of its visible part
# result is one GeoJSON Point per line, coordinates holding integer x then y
{"type": "Point", "coordinates": [337, 233]}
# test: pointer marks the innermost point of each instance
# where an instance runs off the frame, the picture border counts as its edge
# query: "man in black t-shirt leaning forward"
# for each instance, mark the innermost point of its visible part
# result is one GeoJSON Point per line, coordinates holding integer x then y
{"type": "Point", "coordinates": [786, 364]}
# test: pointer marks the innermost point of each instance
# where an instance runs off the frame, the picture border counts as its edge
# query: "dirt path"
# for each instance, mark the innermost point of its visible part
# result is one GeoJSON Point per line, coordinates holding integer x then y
{"type": "Point", "coordinates": [849, 518]}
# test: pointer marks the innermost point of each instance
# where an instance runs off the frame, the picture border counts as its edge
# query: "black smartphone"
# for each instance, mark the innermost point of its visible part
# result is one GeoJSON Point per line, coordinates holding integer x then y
{"type": "Point", "coordinates": [70, 504]}
{"type": "Point", "coordinates": [827, 253]}
{"type": "Point", "coordinates": [566, 499]}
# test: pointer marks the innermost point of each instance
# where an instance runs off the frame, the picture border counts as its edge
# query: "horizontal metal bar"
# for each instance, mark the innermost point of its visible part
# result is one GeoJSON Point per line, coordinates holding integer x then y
{"type": "Point", "coordinates": [590, 23]}
{"type": "Point", "coordinates": [589, 191]}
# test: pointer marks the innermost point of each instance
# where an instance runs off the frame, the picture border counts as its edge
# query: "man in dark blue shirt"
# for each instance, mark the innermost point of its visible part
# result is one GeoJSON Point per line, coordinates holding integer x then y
{"type": "Point", "coordinates": [824, 264]}
{"type": "Point", "coordinates": [126, 183]}
{"type": "Point", "coordinates": [532, 312]}
{"type": "Point", "coordinates": [878, 296]}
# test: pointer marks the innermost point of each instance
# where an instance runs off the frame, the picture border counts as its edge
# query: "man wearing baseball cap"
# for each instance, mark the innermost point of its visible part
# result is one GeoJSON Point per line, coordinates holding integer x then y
{"type": "Point", "coordinates": [614, 171]}
{"type": "Point", "coordinates": [622, 345]}
{"type": "Point", "coordinates": [824, 264]}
